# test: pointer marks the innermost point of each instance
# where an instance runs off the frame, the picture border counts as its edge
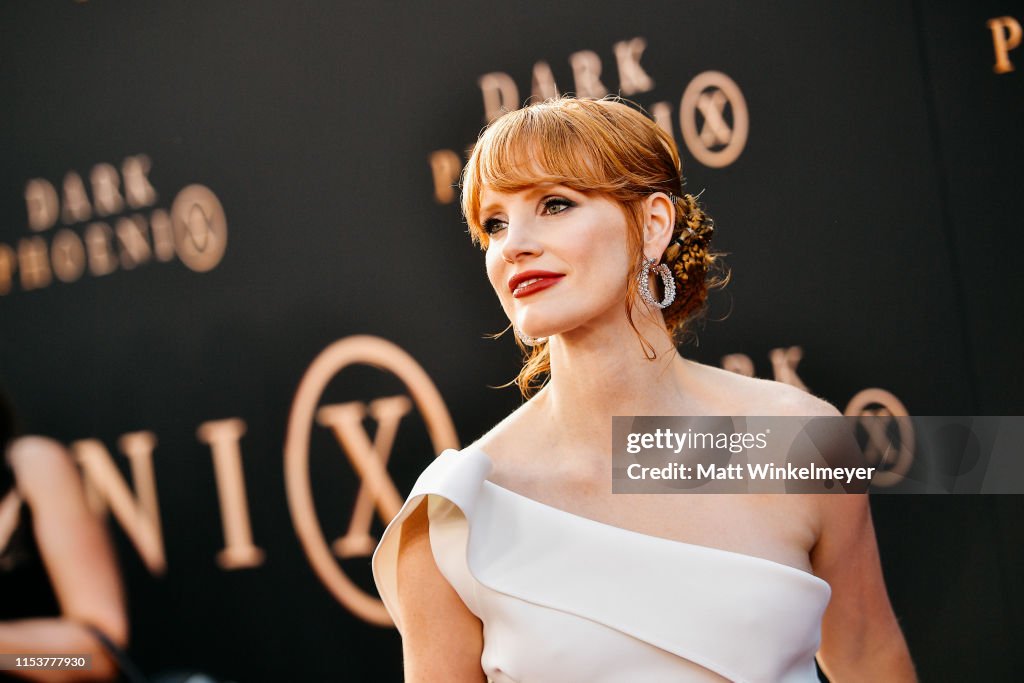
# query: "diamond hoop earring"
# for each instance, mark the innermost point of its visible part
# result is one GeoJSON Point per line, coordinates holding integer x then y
{"type": "Point", "coordinates": [528, 340]}
{"type": "Point", "coordinates": [643, 279]}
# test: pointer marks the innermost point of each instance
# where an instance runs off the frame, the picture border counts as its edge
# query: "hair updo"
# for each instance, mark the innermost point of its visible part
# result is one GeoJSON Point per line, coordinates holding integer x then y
{"type": "Point", "coordinates": [597, 146]}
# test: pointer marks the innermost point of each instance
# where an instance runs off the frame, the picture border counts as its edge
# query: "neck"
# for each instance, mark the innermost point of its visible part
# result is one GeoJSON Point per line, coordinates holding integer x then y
{"type": "Point", "coordinates": [602, 372]}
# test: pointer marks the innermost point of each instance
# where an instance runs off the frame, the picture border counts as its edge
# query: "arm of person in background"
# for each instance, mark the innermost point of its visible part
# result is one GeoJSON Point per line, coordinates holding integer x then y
{"type": "Point", "coordinates": [441, 639]}
{"type": "Point", "coordinates": [79, 560]}
{"type": "Point", "coordinates": [860, 637]}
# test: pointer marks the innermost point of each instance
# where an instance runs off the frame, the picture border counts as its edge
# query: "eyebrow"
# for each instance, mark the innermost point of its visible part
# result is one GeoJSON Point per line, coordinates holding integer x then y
{"type": "Point", "coordinates": [486, 210]}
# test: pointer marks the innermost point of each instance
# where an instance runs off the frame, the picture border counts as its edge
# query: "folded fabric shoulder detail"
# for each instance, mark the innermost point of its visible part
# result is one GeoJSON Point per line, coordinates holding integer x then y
{"type": "Point", "coordinates": [709, 600]}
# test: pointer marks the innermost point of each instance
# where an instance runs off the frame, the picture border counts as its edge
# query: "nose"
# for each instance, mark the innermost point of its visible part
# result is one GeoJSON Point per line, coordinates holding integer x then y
{"type": "Point", "coordinates": [520, 242]}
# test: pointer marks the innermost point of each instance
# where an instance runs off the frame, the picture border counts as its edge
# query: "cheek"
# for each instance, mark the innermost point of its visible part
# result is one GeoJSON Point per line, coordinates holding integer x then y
{"type": "Point", "coordinates": [495, 271]}
{"type": "Point", "coordinates": [608, 267]}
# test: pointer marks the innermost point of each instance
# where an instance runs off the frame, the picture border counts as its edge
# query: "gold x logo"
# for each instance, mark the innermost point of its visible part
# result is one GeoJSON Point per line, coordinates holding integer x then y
{"type": "Point", "coordinates": [715, 130]}
{"type": "Point", "coordinates": [879, 450]}
{"type": "Point", "coordinates": [368, 456]}
{"type": "Point", "coordinates": [369, 459]}
{"type": "Point", "coordinates": [200, 227]}
{"type": "Point", "coordinates": [878, 409]}
{"type": "Point", "coordinates": [713, 141]}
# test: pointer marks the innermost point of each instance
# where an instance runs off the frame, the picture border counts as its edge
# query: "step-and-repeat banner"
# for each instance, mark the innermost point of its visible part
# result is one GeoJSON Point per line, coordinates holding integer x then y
{"type": "Point", "coordinates": [233, 274]}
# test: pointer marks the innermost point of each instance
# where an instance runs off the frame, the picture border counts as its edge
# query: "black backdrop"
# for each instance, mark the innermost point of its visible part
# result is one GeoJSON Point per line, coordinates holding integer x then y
{"type": "Point", "coordinates": [872, 218]}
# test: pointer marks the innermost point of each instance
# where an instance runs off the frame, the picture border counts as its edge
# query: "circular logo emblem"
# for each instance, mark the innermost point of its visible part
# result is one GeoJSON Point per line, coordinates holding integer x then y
{"type": "Point", "coordinates": [714, 120]}
{"type": "Point", "coordinates": [890, 438]}
{"type": "Point", "coordinates": [369, 458]}
{"type": "Point", "coordinates": [200, 228]}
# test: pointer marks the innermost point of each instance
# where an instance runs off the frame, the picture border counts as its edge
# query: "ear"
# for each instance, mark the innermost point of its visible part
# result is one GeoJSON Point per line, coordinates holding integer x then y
{"type": "Point", "coordinates": [659, 221]}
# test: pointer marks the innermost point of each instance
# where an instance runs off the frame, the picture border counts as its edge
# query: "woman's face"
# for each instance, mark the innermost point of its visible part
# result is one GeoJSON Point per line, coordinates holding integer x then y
{"type": "Point", "coordinates": [557, 258]}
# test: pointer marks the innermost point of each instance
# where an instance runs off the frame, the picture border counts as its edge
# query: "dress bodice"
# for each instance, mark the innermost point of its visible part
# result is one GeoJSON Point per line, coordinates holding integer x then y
{"type": "Point", "coordinates": [565, 598]}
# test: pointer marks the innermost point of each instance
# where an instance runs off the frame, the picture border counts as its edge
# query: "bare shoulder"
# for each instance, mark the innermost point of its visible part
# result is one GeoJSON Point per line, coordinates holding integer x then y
{"type": "Point", "coordinates": [442, 640]}
{"type": "Point", "coordinates": [514, 434]}
{"type": "Point", "coordinates": [754, 396]}
{"type": "Point", "coordinates": [784, 399]}
{"type": "Point", "coordinates": [43, 465]}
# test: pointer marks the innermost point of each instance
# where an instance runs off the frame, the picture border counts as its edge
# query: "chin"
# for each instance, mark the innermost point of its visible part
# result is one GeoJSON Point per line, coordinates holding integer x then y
{"type": "Point", "coordinates": [539, 326]}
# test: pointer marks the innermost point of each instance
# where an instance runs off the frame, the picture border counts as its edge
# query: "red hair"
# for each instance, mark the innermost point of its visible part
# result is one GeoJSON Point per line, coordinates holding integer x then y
{"type": "Point", "coordinates": [595, 146]}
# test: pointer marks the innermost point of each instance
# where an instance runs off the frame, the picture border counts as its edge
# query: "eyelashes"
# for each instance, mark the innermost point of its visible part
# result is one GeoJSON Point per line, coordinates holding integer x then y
{"type": "Point", "coordinates": [550, 206]}
{"type": "Point", "coordinates": [561, 203]}
{"type": "Point", "coordinates": [493, 225]}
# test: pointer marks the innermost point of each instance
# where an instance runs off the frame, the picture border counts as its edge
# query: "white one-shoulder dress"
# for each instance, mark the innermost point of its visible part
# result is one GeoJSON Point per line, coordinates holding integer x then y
{"type": "Point", "coordinates": [563, 598]}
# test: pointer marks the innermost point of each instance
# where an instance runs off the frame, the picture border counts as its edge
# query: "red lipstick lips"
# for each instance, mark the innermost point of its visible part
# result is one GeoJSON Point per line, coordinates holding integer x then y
{"type": "Point", "coordinates": [542, 279]}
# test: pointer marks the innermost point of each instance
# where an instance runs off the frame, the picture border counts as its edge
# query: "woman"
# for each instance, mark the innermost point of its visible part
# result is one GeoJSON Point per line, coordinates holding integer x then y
{"type": "Point", "coordinates": [59, 581]}
{"type": "Point", "coordinates": [523, 566]}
